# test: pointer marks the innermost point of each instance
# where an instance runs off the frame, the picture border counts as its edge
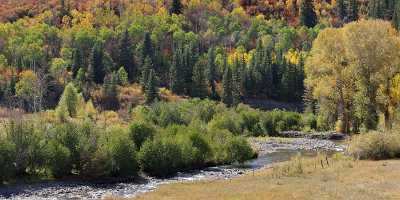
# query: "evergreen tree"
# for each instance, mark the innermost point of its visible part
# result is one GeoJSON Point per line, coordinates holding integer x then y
{"type": "Point", "coordinates": [190, 56]}
{"type": "Point", "coordinates": [126, 56]}
{"type": "Point", "coordinates": [353, 10]}
{"type": "Point", "coordinates": [341, 9]}
{"type": "Point", "coordinates": [212, 72]}
{"type": "Point", "coordinates": [236, 96]}
{"type": "Point", "coordinates": [110, 93]}
{"type": "Point", "coordinates": [375, 9]}
{"type": "Point", "coordinates": [122, 76]}
{"type": "Point", "coordinates": [227, 87]}
{"type": "Point", "coordinates": [146, 68]}
{"type": "Point", "coordinates": [151, 93]}
{"type": "Point", "coordinates": [175, 73]}
{"type": "Point", "coordinates": [147, 48]}
{"type": "Point", "coordinates": [77, 61]}
{"type": "Point", "coordinates": [308, 17]}
{"type": "Point", "coordinates": [69, 101]}
{"type": "Point", "coordinates": [199, 80]}
{"type": "Point", "coordinates": [97, 71]}
{"type": "Point", "coordinates": [176, 7]}
{"type": "Point", "coordinates": [396, 16]}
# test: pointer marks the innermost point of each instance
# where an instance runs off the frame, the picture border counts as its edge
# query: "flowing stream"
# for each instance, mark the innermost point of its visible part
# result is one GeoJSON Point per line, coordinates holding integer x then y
{"type": "Point", "coordinates": [74, 190]}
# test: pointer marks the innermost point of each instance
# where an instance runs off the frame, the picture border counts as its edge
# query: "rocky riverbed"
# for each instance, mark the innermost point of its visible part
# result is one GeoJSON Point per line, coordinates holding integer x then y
{"type": "Point", "coordinates": [271, 150]}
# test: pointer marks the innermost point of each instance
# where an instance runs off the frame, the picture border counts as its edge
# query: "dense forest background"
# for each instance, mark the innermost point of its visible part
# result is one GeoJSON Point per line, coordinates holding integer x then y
{"type": "Point", "coordinates": [121, 53]}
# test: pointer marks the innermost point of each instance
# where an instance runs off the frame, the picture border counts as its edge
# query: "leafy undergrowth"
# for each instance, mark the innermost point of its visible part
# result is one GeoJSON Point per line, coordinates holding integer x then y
{"type": "Point", "coordinates": [300, 179]}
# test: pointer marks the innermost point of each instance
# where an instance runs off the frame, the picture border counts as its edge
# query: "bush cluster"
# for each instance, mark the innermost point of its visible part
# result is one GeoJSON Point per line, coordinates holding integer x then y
{"type": "Point", "coordinates": [375, 145]}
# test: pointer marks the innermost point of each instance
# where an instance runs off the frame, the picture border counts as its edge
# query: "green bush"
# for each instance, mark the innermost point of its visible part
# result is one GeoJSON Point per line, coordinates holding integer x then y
{"type": "Point", "coordinates": [276, 121]}
{"type": "Point", "coordinates": [239, 150]}
{"type": "Point", "coordinates": [195, 150]}
{"type": "Point", "coordinates": [229, 120]}
{"type": "Point", "coordinates": [27, 138]}
{"type": "Point", "coordinates": [139, 132]}
{"type": "Point", "coordinates": [309, 121]}
{"type": "Point", "coordinates": [375, 146]}
{"type": "Point", "coordinates": [121, 153]}
{"type": "Point", "coordinates": [59, 159]}
{"type": "Point", "coordinates": [250, 120]}
{"type": "Point", "coordinates": [160, 157]}
{"type": "Point", "coordinates": [7, 158]}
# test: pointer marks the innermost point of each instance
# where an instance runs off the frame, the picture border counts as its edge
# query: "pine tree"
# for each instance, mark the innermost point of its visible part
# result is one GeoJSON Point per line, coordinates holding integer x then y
{"type": "Point", "coordinates": [126, 56]}
{"type": "Point", "coordinates": [148, 49]}
{"type": "Point", "coordinates": [236, 96]}
{"type": "Point", "coordinates": [353, 13]}
{"type": "Point", "coordinates": [227, 87]}
{"type": "Point", "coordinates": [176, 7]}
{"type": "Point", "coordinates": [212, 73]}
{"type": "Point", "coordinates": [396, 16]}
{"type": "Point", "coordinates": [308, 17]}
{"type": "Point", "coordinates": [77, 61]}
{"type": "Point", "coordinates": [97, 71]}
{"type": "Point", "coordinates": [110, 92]}
{"type": "Point", "coordinates": [341, 9]}
{"type": "Point", "coordinates": [122, 76]}
{"type": "Point", "coordinates": [199, 80]}
{"type": "Point", "coordinates": [175, 72]}
{"type": "Point", "coordinates": [146, 68]}
{"type": "Point", "coordinates": [69, 101]}
{"type": "Point", "coordinates": [151, 93]}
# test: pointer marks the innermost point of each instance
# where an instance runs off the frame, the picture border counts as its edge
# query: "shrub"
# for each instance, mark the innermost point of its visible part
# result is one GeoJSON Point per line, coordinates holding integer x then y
{"type": "Point", "coordinates": [140, 132]}
{"type": "Point", "coordinates": [26, 137]}
{"type": "Point", "coordinates": [309, 121]}
{"type": "Point", "coordinates": [59, 159]}
{"type": "Point", "coordinates": [250, 119]}
{"type": "Point", "coordinates": [7, 158]}
{"type": "Point", "coordinates": [195, 150]}
{"type": "Point", "coordinates": [276, 121]}
{"type": "Point", "coordinates": [375, 145]}
{"type": "Point", "coordinates": [227, 120]}
{"type": "Point", "coordinates": [120, 153]}
{"type": "Point", "coordinates": [239, 150]}
{"type": "Point", "coordinates": [160, 157]}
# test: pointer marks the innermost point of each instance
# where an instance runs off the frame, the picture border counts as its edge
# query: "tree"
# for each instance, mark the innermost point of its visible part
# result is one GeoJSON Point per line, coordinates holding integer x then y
{"type": "Point", "coordinates": [77, 61]}
{"type": "Point", "coordinates": [176, 7]}
{"type": "Point", "coordinates": [227, 86]}
{"type": "Point", "coordinates": [212, 72]}
{"type": "Point", "coordinates": [308, 17]}
{"type": "Point", "coordinates": [175, 72]}
{"type": "Point", "coordinates": [148, 49]}
{"type": "Point", "coordinates": [27, 89]}
{"type": "Point", "coordinates": [146, 68]}
{"type": "Point", "coordinates": [199, 80]}
{"type": "Point", "coordinates": [126, 56]}
{"type": "Point", "coordinates": [110, 92]}
{"type": "Point", "coordinates": [353, 10]}
{"type": "Point", "coordinates": [96, 66]}
{"type": "Point", "coordinates": [69, 101]}
{"type": "Point", "coordinates": [351, 69]}
{"type": "Point", "coordinates": [341, 9]}
{"type": "Point", "coordinates": [122, 76]}
{"type": "Point", "coordinates": [236, 95]}
{"type": "Point", "coordinates": [396, 16]}
{"type": "Point", "coordinates": [151, 93]}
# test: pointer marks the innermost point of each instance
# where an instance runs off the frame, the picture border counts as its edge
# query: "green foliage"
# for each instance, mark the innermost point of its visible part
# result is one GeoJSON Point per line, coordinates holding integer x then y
{"type": "Point", "coordinates": [122, 76]}
{"type": "Point", "coordinates": [176, 7]}
{"type": "Point", "coordinates": [7, 156]}
{"type": "Point", "coordinates": [151, 92]}
{"type": "Point", "coordinates": [59, 159]}
{"type": "Point", "coordinates": [227, 97]}
{"type": "Point", "coordinates": [126, 59]}
{"type": "Point", "coordinates": [239, 150]}
{"type": "Point", "coordinates": [139, 132]}
{"type": "Point", "coordinates": [160, 157]}
{"type": "Point", "coordinates": [199, 80]}
{"type": "Point", "coordinates": [68, 104]}
{"type": "Point", "coordinates": [276, 121]}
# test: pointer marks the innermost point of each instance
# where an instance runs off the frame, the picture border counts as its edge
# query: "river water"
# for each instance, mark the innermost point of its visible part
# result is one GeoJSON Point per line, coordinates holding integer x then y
{"type": "Point", "coordinates": [73, 190]}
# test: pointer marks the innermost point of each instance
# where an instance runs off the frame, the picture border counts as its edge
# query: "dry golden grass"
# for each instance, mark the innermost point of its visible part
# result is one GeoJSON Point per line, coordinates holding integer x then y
{"type": "Point", "coordinates": [347, 180]}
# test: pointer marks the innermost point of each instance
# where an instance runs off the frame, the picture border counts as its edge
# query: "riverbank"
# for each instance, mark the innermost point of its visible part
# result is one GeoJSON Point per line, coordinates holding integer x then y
{"type": "Point", "coordinates": [341, 180]}
{"type": "Point", "coordinates": [270, 150]}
